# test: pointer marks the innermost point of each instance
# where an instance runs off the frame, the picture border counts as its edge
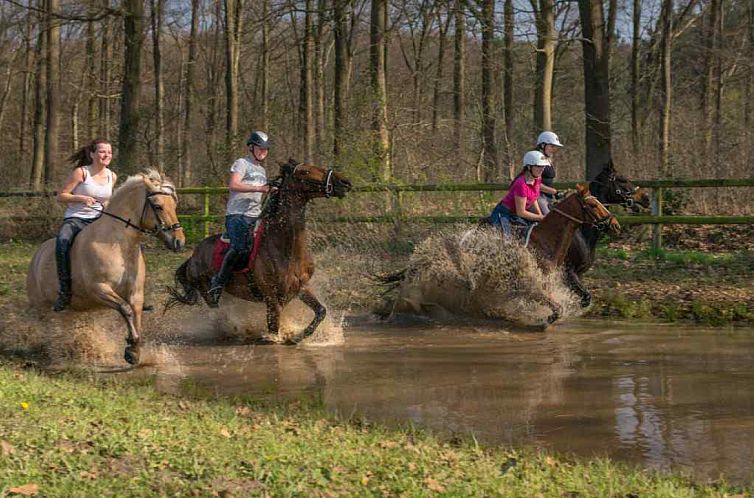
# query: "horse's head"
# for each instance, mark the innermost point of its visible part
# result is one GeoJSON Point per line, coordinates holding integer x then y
{"type": "Point", "coordinates": [312, 181]}
{"type": "Point", "coordinates": [610, 187]}
{"type": "Point", "coordinates": [594, 211]}
{"type": "Point", "coordinates": [159, 215]}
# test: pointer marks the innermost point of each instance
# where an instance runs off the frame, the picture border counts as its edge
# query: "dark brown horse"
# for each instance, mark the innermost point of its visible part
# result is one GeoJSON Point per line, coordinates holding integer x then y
{"type": "Point", "coordinates": [610, 187]}
{"type": "Point", "coordinates": [283, 265]}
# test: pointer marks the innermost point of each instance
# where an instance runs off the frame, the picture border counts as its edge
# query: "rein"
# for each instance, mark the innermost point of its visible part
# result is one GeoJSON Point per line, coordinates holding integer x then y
{"type": "Point", "coordinates": [595, 222]}
{"type": "Point", "coordinates": [626, 194]}
{"type": "Point", "coordinates": [163, 227]}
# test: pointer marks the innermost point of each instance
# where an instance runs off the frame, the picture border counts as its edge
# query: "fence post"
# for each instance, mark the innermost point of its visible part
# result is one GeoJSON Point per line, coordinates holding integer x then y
{"type": "Point", "coordinates": [205, 211]}
{"type": "Point", "coordinates": [656, 207]}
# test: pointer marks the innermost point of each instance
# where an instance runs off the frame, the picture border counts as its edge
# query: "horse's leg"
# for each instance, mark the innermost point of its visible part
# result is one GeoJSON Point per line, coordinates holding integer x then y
{"type": "Point", "coordinates": [309, 299]}
{"type": "Point", "coordinates": [273, 315]}
{"type": "Point", "coordinates": [574, 283]}
{"type": "Point", "coordinates": [132, 316]}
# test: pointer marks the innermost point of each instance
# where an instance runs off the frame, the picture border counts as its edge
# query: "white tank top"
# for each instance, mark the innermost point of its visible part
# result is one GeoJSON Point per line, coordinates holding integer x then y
{"type": "Point", "coordinates": [88, 187]}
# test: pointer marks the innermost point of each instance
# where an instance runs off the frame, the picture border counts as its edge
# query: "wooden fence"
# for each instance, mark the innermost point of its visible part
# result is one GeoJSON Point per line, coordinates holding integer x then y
{"type": "Point", "coordinates": [396, 215]}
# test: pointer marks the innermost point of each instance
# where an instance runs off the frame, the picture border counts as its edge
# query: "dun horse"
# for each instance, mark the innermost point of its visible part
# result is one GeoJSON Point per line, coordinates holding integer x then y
{"type": "Point", "coordinates": [283, 265]}
{"type": "Point", "coordinates": [107, 264]}
{"type": "Point", "coordinates": [610, 187]}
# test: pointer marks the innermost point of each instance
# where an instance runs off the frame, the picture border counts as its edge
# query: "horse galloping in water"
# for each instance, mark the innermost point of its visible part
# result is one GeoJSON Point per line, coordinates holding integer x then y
{"type": "Point", "coordinates": [610, 187]}
{"type": "Point", "coordinates": [283, 264]}
{"type": "Point", "coordinates": [107, 264]}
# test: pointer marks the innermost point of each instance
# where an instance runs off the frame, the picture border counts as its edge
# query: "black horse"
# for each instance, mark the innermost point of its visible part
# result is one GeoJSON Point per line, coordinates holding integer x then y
{"type": "Point", "coordinates": [609, 187]}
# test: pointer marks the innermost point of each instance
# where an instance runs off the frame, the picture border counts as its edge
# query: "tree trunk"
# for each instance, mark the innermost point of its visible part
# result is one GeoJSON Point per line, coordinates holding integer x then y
{"type": "Point", "coordinates": [545, 22]}
{"type": "Point", "coordinates": [106, 55]}
{"type": "Point", "coordinates": [379, 88]}
{"type": "Point", "coordinates": [38, 126]}
{"type": "Point", "coordinates": [159, 125]}
{"type": "Point", "coordinates": [233, 28]}
{"type": "Point", "coordinates": [319, 81]}
{"type": "Point", "coordinates": [130, 104]}
{"type": "Point", "coordinates": [508, 27]}
{"type": "Point", "coordinates": [26, 90]}
{"type": "Point", "coordinates": [306, 111]}
{"type": "Point", "coordinates": [459, 72]}
{"type": "Point", "coordinates": [709, 86]}
{"type": "Point", "coordinates": [749, 90]}
{"type": "Point", "coordinates": [340, 74]}
{"type": "Point", "coordinates": [91, 77]}
{"type": "Point", "coordinates": [52, 131]}
{"type": "Point", "coordinates": [666, 22]}
{"type": "Point", "coordinates": [595, 48]}
{"type": "Point", "coordinates": [265, 94]}
{"type": "Point", "coordinates": [489, 165]}
{"type": "Point", "coordinates": [635, 70]}
{"type": "Point", "coordinates": [185, 165]}
{"type": "Point", "coordinates": [440, 66]}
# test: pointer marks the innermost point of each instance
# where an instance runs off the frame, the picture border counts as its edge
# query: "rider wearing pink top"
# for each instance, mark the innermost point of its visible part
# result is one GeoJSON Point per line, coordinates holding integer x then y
{"type": "Point", "coordinates": [519, 206]}
{"type": "Point", "coordinates": [519, 188]}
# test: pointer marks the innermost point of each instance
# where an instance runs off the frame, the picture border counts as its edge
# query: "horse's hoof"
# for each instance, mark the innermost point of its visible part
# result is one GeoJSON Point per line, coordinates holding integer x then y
{"type": "Point", "coordinates": [553, 318]}
{"type": "Point", "coordinates": [586, 301]}
{"type": "Point", "coordinates": [131, 354]}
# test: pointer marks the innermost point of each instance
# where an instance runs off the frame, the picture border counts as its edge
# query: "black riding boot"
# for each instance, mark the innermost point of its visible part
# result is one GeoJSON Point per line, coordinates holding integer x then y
{"type": "Point", "coordinates": [65, 289]}
{"type": "Point", "coordinates": [221, 278]}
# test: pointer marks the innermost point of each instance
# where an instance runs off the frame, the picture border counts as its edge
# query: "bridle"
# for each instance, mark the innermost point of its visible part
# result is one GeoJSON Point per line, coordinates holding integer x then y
{"type": "Point", "coordinates": [327, 187]}
{"type": "Point", "coordinates": [625, 194]}
{"type": "Point", "coordinates": [598, 223]}
{"type": "Point", "coordinates": [163, 226]}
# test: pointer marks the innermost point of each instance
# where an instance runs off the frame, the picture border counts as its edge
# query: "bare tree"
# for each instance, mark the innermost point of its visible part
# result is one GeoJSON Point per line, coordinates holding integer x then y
{"type": "Point", "coordinates": [106, 56]}
{"type": "Point", "coordinates": [440, 64]}
{"type": "Point", "coordinates": [489, 152]}
{"type": "Point", "coordinates": [379, 87]}
{"type": "Point", "coordinates": [459, 71]}
{"type": "Point", "coordinates": [306, 104]}
{"type": "Point", "coordinates": [597, 36]}
{"type": "Point", "coordinates": [233, 29]}
{"type": "Point", "coordinates": [508, 26]}
{"type": "Point", "coordinates": [184, 161]}
{"type": "Point", "coordinates": [38, 125]}
{"type": "Point", "coordinates": [52, 130]}
{"type": "Point", "coordinates": [26, 88]}
{"type": "Point", "coordinates": [130, 104]}
{"type": "Point", "coordinates": [340, 70]}
{"type": "Point", "coordinates": [90, 75]}
{"type": "Point", "coordinates": [265, 64]}
{"type": "Point", "coordinates": [544, 11]}
{"type": "Point", "coordinates": [666, 98]}
{"type": "Point", "coordinates": [635, 71]}
{"type": "Point", "coordinates": [159, 125]}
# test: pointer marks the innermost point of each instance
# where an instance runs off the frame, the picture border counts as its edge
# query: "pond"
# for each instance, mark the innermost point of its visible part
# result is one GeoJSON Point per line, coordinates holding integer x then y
{"type": "Point", "coordinates": [664, 397]}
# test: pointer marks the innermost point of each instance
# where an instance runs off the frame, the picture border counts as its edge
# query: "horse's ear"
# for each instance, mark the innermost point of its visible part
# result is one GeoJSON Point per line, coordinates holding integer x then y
{"type": "Point", "coordinates": [582, 189]}
{"type": "Point", "coordinates": [610, 166]}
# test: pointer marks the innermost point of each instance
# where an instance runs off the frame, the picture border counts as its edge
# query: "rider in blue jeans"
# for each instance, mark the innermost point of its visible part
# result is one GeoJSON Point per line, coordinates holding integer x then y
{"type": "Point", "coordinates": [248, 181]}
{"type": "Point", "coordinates": [519, 206]}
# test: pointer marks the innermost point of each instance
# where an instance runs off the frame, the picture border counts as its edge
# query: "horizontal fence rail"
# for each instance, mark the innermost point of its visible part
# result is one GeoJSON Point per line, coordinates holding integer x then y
{"type": "Point", "coordinates": [396, 216]}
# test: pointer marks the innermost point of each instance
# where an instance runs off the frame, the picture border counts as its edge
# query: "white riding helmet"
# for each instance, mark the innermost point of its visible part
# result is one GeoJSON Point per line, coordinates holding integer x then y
{"type": "Point", "coordinates": [549, 138]}
{"type": "Point", "coordinates": [535, 158]}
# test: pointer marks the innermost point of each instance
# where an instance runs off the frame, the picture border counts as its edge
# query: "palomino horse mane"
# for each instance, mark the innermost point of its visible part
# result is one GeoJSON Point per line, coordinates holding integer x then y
{"type": "Point", "coordinates": [151, 179]}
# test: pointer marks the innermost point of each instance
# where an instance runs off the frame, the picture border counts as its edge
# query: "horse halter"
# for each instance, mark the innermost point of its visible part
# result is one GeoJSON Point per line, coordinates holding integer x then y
{"type": "Point", "coordinates": [162, 227]}
{"type": "Point", "coordinates": [598, 223]}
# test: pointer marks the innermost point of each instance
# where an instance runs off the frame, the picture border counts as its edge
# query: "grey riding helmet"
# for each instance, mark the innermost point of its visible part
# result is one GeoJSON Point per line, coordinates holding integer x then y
{"type": "Point", "coordinates": [260, 139]}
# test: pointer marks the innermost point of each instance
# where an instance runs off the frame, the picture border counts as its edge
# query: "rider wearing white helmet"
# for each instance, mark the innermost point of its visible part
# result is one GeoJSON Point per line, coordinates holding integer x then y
{"type": "Point", "coordinates": [548, 143]}
{"type": "Point", "coordinates": [519, 206]}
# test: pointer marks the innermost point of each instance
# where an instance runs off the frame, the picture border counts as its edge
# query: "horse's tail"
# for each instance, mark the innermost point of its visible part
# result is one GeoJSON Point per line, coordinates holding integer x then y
{"type": "Point", "coordinates": [187, 294]}
{"type": "Point", "coordinates": [391, 280]}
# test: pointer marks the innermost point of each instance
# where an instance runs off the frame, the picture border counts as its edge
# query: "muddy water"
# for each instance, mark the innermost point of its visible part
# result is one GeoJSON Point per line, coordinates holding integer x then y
{"type": "Point", "coordinates": [664, 397]}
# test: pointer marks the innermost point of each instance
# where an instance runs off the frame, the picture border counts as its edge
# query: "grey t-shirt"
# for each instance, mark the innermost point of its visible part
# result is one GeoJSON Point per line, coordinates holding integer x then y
{"type": "Point", "coordinates": [247, 203]}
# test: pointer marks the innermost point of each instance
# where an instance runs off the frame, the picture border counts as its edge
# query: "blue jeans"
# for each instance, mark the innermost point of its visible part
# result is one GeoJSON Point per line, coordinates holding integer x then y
{"type": "Point", "coordinates": [63, 242]}
{"type": "Point", "coordinates": [503, 218]}
{"type": "Point", "coordinates": [239, 229]}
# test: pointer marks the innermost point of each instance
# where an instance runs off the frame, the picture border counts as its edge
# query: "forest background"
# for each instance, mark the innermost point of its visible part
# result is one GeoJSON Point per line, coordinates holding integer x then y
{"type": "Point", "coordinates": [406, 91]}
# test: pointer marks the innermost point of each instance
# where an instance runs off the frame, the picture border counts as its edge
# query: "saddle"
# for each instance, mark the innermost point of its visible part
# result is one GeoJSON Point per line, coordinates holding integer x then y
{"type": "Point", "coordinates": [223, 244]}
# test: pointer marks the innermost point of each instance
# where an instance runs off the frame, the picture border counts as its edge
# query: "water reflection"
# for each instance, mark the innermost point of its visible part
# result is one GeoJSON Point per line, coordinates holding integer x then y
{"type": "Point", "coordinates": [665, 397]}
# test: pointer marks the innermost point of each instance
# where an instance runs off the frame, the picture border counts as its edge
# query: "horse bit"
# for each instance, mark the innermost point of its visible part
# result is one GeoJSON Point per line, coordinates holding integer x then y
{"type": "Point", "coordinates": [163, 227]}
{"type": "Point", "coordinates": [327, 186]}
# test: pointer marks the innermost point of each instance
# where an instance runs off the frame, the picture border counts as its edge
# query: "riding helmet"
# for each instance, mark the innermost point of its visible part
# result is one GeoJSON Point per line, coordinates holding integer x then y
{"type": "Point", "coordinates": [260, 139]}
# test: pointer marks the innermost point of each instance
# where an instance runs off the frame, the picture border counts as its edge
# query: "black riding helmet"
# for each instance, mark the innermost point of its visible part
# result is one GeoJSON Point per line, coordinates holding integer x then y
{"type": "Point", "coordinates": [258, 138]}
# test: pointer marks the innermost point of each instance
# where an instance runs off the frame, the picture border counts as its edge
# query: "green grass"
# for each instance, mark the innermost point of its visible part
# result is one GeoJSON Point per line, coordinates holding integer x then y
{"type": "Point", "coordinates": [83, 435]}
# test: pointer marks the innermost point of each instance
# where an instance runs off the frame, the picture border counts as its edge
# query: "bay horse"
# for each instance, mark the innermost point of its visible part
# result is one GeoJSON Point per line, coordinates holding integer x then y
{"type": "Point", "coordinates": [610, 187]}
{"type": "Point", "coordinates": [549, 240]}
{"type": "Point", "coordinates": [283, 265]}
{"type": "Point", "coordinates": [107, 264]}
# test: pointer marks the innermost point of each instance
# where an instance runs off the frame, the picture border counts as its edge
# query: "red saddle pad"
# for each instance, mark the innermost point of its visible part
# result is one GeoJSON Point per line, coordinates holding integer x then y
{"type": "Point", "coordinates": [221, 247]}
